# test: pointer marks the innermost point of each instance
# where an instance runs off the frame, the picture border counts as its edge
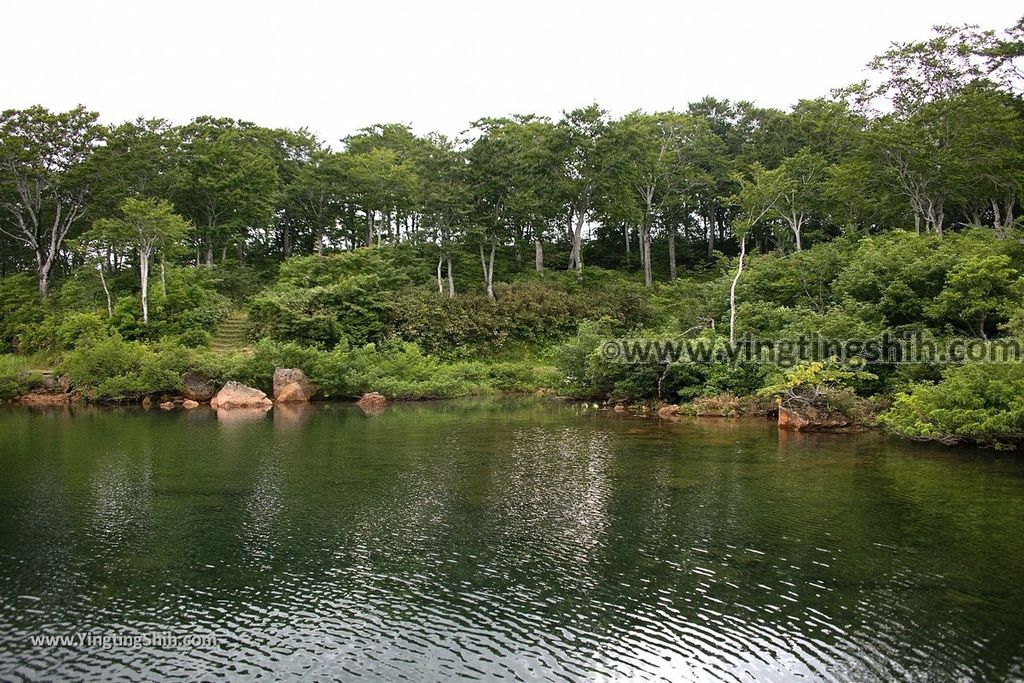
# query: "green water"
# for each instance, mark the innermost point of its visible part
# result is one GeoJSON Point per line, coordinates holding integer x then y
{"type": "Point", "coordinates": [501, 540]}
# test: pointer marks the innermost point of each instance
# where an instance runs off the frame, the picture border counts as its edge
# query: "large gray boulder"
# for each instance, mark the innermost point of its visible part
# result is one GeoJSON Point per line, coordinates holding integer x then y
{"type": "Point", "coordinates": [196, 387]}
{"type": "Point", "coordinates": [238, 395]}
{"type": "Point", "coordinates": [291, 386]}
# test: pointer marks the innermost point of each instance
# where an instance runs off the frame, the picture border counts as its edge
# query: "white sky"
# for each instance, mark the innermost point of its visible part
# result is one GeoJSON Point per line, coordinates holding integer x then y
{"type": "Point", "coordinates": [336, 66]}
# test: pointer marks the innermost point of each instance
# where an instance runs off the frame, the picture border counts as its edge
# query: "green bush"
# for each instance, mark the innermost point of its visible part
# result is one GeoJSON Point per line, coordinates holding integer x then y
{"type": "Point", "coordinates": [527, 314]}
{"type": "Point", "coordinates": [16, 376]}
{"type": "Point", "coordinates": [979, 403]}
{"type": "Point", "coordinates": [20, 309]}
{"type": "Point", "coordinates": [64, 331]}
{"type": "Point", "coordinates": [114, 369]}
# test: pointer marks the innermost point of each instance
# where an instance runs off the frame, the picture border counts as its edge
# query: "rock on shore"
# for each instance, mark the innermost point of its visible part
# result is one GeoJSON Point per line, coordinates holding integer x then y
{"type": "Point", "coordinates": [372, 403]}
{"type": "Point", "coordinates": [291, 386]}
{"type": "Point", "coordinates": [196, 387]}
{"type": "Point", "coordinates": [813, 419]}
{"type": "Point", "coordinates": [238, 395]}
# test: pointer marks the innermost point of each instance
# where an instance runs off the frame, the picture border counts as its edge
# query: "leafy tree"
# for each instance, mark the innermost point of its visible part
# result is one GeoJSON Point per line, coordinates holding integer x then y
{"type": "Point", "coordinates": [228, 183]}
{"type": "Point", "coordinates": [981, 293]}
{"type": "Point", "coordinates": [44, 192]}
{"type": "Point", "coordinates": [149, 227]}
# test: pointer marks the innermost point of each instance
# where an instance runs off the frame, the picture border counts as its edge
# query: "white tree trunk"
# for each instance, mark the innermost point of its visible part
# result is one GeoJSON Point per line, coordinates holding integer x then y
{"type": "Point", "coordinates": [106, 291]}
{"type": "Point", "coordinates": [488, 267]}
{"type": "Point", "coordinates": [144, 277]}
{"type": "Point", "coordinates": [732, 291]}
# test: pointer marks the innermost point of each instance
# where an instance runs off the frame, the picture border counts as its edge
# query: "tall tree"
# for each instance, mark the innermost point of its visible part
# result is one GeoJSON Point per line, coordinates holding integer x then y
{"type": "Point", "coordinates": [229, 183]}
{"type": "Point", "coordinates": [581, 130]}
{"type": "Point", "coordinates": [42, 159]}
{"type": "Point", "coordinates": [147, 226]}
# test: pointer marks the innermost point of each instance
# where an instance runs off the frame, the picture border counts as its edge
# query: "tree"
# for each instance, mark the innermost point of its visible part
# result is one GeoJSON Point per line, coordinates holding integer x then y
{"type": "Point", "coordinates": [42, 155]}
{"type": "Point", "coordinates": [515, 165]}
{"type": "Point", "coordinates": [149, 226]}
{"type": "Point", "coordinates": [383, 179]}
{"type": "Point", "coordinates": [801, 180]}
{"type": "Point", "coordinates": [445, 202]}
{"type": "Point", "coordinates": [382, 183]}
{"type": "Point", "coordinates": [581, 131]}
{"type": "Point", "coordinates": [319, 192]}
{"type": "Point", "coordinates": [980, 292]}
{"type": "Point", "coordinates": [228, 183]}
{"type": "Point", "coordinates": [756, 199]}
{"type": "Point", "coordinates": [647, 169]}
{"type": "Point", "coordinates": [139, 158]}
{"type": "Point", "coordinates": [952, 151]}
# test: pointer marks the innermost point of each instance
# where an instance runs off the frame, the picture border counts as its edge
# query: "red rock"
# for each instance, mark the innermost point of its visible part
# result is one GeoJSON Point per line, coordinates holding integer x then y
{"type": "Point", "coordinates": [372, 403]}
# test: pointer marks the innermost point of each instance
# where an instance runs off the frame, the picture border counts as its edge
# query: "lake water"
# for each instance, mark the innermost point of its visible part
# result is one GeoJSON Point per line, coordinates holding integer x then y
{"type": "Point", "coordinates": [511, 539]}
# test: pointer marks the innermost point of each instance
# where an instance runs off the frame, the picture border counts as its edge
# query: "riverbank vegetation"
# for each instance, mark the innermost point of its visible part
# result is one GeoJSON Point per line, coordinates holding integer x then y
{"type": "Point", "coordinates": [423, 266]}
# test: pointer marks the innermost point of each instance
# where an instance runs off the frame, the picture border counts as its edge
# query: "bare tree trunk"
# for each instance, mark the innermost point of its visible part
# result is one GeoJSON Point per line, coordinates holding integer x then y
{"type": "Point", "coordinates": [576, 255]}
{"type": "Point", "coordinates": [106, 291]}
{"type": "Point", "coordinates": [488, 267]}
{"type": "Point", "coordinates": [645, 253]}
{"type": "Point", "coordinates": [712, 218]}
{"type": "Point", "coordinates": [672, 252]}
{"type": "Point", "coordinates": [163, 279]}
{"type": "Point", "coordinates": [538, 258]}
{"type": "Point", "coordinates": [440, 260]}
{"type": "Point", "coordinates": [144, 277]}
{"type": "Point", "coordinates": [732, 291]}
{"type": "Point", "coordinates": [451, 278]}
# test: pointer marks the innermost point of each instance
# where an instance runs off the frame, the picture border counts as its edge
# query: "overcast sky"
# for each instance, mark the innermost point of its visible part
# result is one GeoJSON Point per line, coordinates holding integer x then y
{"type": "Point", "coordinates": [336, 66]}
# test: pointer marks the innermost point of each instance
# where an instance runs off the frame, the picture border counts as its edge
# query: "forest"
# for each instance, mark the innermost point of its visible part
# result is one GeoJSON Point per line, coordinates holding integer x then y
{"type": "Point", "coordinates": [429, 266]}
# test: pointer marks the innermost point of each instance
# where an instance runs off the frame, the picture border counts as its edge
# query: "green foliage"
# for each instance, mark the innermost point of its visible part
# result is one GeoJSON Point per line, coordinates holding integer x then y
{"type": "Point", "coordinates": [980, 295]}
{"type": "Point", "coordinates": [62, 331]}
{"type": "Point", "coordinates": [980, 403]}
{"type": "Point", "coordinates": [528, 313]}
{"type": "Point", "coordinates": [16, 376]}
{"type": "Point", "coordinates": [20, 310]}
{"type": "Point", "coordinates": [902, 274]}
{"type": "Point", "coordinates": [812, 380]}
{"type": "Point", "coordinates": [115, 369]}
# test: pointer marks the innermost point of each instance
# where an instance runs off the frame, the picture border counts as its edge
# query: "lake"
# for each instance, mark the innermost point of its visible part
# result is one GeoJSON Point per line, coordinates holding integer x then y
{"type": "Point", "coordinates": [499, 539]}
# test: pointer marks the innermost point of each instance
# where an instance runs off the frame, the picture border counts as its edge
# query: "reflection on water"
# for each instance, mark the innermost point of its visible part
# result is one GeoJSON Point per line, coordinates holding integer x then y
{"type": "Point", "coordinates": [508, 539]}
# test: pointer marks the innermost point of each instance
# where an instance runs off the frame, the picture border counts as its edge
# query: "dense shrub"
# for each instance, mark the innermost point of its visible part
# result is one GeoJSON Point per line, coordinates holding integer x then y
{"type": "Point", "coordinates": [529, 313]}
{"type": "Point", "coordinates": [116, 369]}
{"type": "Point", "coordinates": [323, 300]}
{"type": "Point", "coordinates": [20, 310]}
{"type": "Point", "coordinates": [588, 374]}
{"type": "Point", "coordinates": [63, 331]}
{"type": "Point", "coordinates": [354, 310]}
{"type": "Point", "coordinates": [981, 403]}
{"type": "Point", "coordinates": [16, 376]}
